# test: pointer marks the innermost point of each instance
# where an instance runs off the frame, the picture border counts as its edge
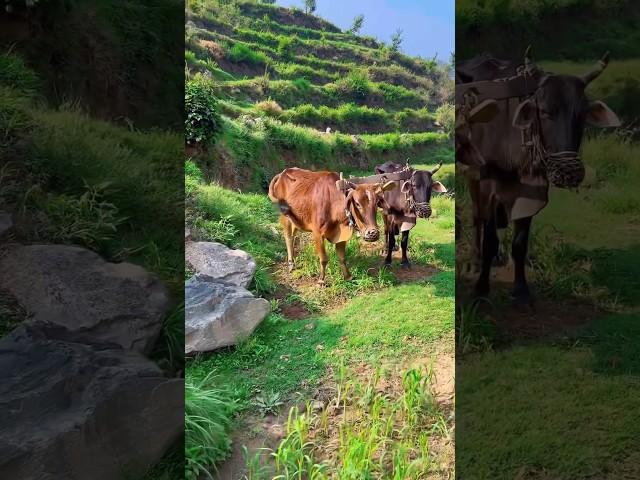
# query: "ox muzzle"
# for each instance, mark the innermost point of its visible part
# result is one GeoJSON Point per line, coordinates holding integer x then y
{"type": "Point", "coordinates": [422, 209]}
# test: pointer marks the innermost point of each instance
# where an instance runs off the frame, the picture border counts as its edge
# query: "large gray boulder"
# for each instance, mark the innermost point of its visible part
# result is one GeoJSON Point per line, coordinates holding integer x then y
{"type": "Point", "coordinates": [77, 411]}
{"type": "Point", "coordinates": [88, 298]}
{"type": "Point", "coordinates": [219, 315]}
{"type": "Point", "coordinates": [218, 263]}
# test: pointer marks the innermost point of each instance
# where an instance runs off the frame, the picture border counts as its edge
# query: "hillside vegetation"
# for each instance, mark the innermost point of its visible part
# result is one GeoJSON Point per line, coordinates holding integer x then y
{"type": "Point", "coordinates": [281, 77]}
{"type": "Point", "coordinates": [559, 29]}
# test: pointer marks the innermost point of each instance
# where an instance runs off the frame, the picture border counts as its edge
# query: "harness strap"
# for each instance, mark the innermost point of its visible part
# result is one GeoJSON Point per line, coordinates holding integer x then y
{"type": "Point", "coordinates": [500, 89]}
{"type": "Point", "coordinates": [380, 178]}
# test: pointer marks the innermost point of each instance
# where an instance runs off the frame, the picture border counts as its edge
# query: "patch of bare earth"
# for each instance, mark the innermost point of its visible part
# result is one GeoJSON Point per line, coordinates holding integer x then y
{"type": "Point", "coordinates": [440, 363]}
{"type": "Point", "coordinates": [260, 435]}
{"type": "Point", "coordinates": [543, 317]}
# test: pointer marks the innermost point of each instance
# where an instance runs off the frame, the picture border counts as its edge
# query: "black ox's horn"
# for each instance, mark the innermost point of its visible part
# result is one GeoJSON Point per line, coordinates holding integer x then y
{"type": "Point", "coordinates": [436, 168]}
{"type": "Point", "coordinates": [527, 57]}
{"type": "Point", "coordinates": [595, 72]}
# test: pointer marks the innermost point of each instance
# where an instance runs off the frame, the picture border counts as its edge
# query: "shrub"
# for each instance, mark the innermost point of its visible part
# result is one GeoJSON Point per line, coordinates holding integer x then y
{"type": "Point", "coordinates": [301, 84]}
{"type": "Point", "coordinates": [202, 122]}
{"type": "Point", "coordinates": [243, 53]}
{"type": "Point", "coordinates": [14, 73]}
{"type": "Point", "coordinates": [446, 116]}
{"type": "Point", "coordinates": [355, 84]}
{"type": "Point", "coordinates": [285, 47]}
{"type": "Point", "coordinates": [270, 107]}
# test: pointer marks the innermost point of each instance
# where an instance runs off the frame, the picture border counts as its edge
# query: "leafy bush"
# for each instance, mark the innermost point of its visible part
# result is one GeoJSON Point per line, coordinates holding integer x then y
{"type": "Point", "coordinates": [203, 122]}
{"type": "Point", "coordinates": [14, 73]}
{"type": "Point", "coordinates": [285, 47]}
{"type": "Point", "coordinates": [356, 84]}
{"type": "Point", "coordinates": [243, 53]}
{"type": "Point", "coordinates": [270, 107]}
{"type": "Point", "coordinates": [208, 412]}
{"type": "Point", "coordinates": [446, 116]}
{"type": "Point", "coordinates": [302, 84]}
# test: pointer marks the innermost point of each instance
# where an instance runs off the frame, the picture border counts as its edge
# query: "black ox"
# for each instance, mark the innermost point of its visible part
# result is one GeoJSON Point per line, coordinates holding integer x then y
{"type": "Point", "coordinates": [402, 206]}
{"type": "Point", "coordinates": [532, 140]}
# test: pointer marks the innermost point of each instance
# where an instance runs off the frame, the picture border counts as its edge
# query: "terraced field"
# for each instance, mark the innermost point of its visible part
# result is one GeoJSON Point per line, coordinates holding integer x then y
{"type": "Point", "coordinates": [283, 78]}
{"type": "Point", "coordinates": [355, 378]}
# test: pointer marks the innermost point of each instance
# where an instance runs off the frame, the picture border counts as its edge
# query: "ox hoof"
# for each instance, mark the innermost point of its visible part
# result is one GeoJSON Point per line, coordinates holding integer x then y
{"type": "Point", "coordinates": [387, 263]}
{"type": "Point", "coordinates": [405, 265]}
{"type": "Point", "coordinates": [291, 267]}
{"type": "Point", "coordinates": [522, 298]}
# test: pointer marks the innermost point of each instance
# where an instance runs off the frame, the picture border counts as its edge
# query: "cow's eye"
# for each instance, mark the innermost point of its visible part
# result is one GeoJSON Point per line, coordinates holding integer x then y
{"type": "Point", "coordinates": [358, 205]}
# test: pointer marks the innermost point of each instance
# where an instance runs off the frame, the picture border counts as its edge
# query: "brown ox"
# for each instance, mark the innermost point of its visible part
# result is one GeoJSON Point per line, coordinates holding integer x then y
{"type": "Point", "coordinates": [311, 202]}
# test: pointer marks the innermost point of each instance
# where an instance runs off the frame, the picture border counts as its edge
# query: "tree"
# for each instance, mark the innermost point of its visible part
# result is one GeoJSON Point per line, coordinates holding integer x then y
{"type": "Point", "coordinates": [309, 6]}
{"type": "Point", "coordinates": [396, 40]}
{"type": "Point", "coordinates": [357, 24]}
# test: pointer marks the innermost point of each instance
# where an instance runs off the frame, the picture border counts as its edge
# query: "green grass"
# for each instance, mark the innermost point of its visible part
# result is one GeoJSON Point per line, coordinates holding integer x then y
{"type": "Point", "coordinates": [85, 181]}
{"type": "Point", "coordinates": [208, 415]}
{"type": "Point", "coordinates": [367, 329]}
{"type": "Point", "coordinates": [379, 435]}
{"type": "Point", "coordinates": [549, 409]}
{"type": "Point", "coordinates": [562, 29]}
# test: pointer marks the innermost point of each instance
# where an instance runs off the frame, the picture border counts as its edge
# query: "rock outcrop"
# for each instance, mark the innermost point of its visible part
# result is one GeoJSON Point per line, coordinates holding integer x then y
{"type": "Point", "coordinates": [75, 411]}
{"type": "Point", "coordinates": [88, 298]}
{"type": "Point", "coordinates": [219, 315]}
{"type": "Point", "coordinates": [217, 263]}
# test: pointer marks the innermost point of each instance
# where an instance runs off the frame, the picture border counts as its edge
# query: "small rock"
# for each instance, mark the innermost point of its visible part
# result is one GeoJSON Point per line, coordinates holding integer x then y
{"type": "Point", "coordinates": [317, 405]}
{"type": "Point", "coordinates": [219, 315]}
{"type": "Point", "coordinates": [284, 358]}
{"type": "Point", "coordinates": [215, 262]}
{"type": "Point", "coordinates": [319, 347]}
{"type": "Point", "coordinates": [309, 326]}
{"type": "Point", "coordinates": [276, 431]}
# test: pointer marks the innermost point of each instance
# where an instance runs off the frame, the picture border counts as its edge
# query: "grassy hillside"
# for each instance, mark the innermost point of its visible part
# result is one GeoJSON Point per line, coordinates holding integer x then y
{"type": "Point", "coordinates": [559, 29]}
{"type": "Point", "coordinates": [282, 77]}
{"type": "Point", "coordinates": [120, 60]}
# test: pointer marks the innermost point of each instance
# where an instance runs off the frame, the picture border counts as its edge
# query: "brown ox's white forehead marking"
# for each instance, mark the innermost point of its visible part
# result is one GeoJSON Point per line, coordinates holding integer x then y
{"type": "Point", "coordinates": [369, 195]}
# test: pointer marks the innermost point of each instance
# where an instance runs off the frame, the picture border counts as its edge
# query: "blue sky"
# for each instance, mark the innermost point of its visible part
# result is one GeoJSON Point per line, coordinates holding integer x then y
{"type": "Point", "coordinates": [428, 25]}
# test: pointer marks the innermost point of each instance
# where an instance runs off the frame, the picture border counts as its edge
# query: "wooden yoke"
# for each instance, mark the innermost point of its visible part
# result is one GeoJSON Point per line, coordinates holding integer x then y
{"type": "Point", "coordinates": [379, 178]}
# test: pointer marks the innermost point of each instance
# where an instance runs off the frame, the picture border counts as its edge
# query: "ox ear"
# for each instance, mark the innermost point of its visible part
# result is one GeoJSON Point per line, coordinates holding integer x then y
{"type": "Point", "coordinates": [524, 115]}
{"type": "Point", "coordinates": [599, 115]}
{"type": "Point", "coordinates": [438, 187]}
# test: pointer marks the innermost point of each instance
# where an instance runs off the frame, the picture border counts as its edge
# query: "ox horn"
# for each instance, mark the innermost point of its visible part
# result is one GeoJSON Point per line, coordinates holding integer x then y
{"type": "Point", "coordinates": [436, 169]}
{"type": "Point", "coordinates": [527, 57]}
{"type": "Point", "coordinates": [595, 72]}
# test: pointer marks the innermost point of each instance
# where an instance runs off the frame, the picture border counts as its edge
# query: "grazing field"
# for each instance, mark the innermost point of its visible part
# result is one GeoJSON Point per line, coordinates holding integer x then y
{"type": "Point", "coordinates": [374, 364]}
{"type": "Point", "coordinates": [551, 392]}
{"type": "Point", "coordinates": [354, 378]}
